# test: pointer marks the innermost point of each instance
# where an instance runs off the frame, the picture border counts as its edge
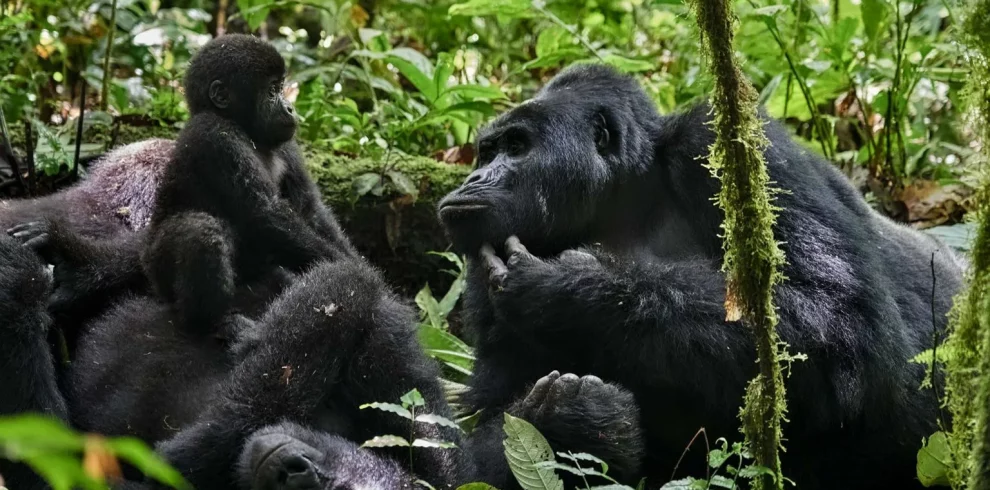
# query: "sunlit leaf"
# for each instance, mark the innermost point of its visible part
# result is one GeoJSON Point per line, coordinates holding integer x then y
{"type": "Point", "coordinates": [386, 441]}
{"type": "Point", "coordinates": [508, 8]}
{"type": "Point", "coordinates": [413, 399]}
{"type": "Point", "coordinates": [434, 419]}
{"type": "Point", "coordinates": [524, 448]}
{"type": "Point", "coordinates": [934, 461]}
{"type": "Point", "coordinates": [389, 407]}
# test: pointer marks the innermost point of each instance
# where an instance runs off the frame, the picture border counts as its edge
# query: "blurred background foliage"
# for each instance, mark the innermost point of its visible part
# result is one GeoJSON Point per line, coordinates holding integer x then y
{"type": "Point", "coordinates": [870, 84]}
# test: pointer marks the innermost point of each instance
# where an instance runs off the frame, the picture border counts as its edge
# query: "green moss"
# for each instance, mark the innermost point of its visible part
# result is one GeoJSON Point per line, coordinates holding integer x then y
{"type": "Point", "coordinates": [752, 256]}
{"type": "Point", "coordinates": [968, 373]}
{"type": "Point", "coordinates": [394, 231]}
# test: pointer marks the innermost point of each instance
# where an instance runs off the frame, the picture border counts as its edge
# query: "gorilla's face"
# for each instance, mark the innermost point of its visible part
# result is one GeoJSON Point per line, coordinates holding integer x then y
{"type": "Point", "coordinates": [290, 457]}
{"type": "Point", "coordinates": [275, 119]}
{"type": "Point", "coordinates": [543, 169]}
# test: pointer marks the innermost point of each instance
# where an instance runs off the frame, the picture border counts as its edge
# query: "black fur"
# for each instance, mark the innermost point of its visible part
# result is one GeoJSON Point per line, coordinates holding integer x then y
{"type": "Point", "coordinates": [621, 279]}
{"type": "Point", "coordinates": [336, 338]}
{"type": "Point", "coordinates": [89, 230]}
{"type": "Point", "coordinates": [226, 211]}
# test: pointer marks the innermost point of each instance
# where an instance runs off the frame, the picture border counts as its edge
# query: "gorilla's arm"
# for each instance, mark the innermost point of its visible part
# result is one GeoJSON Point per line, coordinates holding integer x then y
{"type": "Point", "coordinates": [247, 198]}
{"type": "Point", "coordinates": [335, 340]}
{"type": "Point", "coordinates": [304, 196]}
{"type": "Point", "coordinates": [618, 314]}
{"type": "Point", "coordinates": [88, 272]}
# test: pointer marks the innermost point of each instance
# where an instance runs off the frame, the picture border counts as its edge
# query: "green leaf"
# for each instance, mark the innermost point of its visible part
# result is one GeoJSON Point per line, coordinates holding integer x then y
{"type": "Point", "coordinates": [147, 461]}
{"type": "Point", "coordinates": [874, 14]}
{"type": "Point", "coordinates": [769, 11]}
{"type": "Point", "coordinates": [413, 399]}
{"type": "Point", "coordinates": [686, 484]}
{"type": "Point", "coordinates": [428, 305]}
{"type": "Point", "coordinates": [445, 68]}
{"type": "Point", "coordinates": [28, 434]}
{"type": "Point", "coordinates": [524, 448]}
{"type": "Point", "coordinates": [434, 419]}
{"type": "Point", "coordinates": [552, 39]}
{"type": "Point", "coordinates": [472, 91]}
{"type": "Point", "coordinates": [433, 444]}
{"type": "Point", "coordinates": [585, 457]}
{"type": "Point", "coordinates": [934, 461]}
{"type": "Point", "coordinates": [628, 65]}
{"type": "Point", "coordinates": [721, 482]}
{"type": "Point", "coordinates": [386, 441]}
{"type": "Point", "coordinates": [417, 68]}
{"type": "Point", "coordinates": [403, 183]}
{"type": "Point", "coordinates": [515, 9]}
{"type": "Point", "coordinates": [389, 407]}
{"type": "Point", "coordinates": [365, 182]}
{"type": "Point", "coordinates": [476, 486]}
{"type": "Point", "coordinates": [254, 11]}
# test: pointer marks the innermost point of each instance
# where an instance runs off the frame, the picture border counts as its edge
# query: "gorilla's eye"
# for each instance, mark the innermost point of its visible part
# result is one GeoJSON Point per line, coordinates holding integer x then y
{"type": "Point", "coordinates": [275, 89]}
{"type": "Point", "coordinates": [515, 143]}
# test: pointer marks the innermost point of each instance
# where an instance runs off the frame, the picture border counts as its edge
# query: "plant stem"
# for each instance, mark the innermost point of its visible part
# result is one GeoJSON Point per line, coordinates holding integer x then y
{"type": "Point", "coordinates": [105, 93]}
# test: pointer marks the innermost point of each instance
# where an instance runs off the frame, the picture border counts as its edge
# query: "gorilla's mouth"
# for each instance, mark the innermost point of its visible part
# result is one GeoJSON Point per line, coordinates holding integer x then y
{"type": "Point", "coordinates": [460, 208]}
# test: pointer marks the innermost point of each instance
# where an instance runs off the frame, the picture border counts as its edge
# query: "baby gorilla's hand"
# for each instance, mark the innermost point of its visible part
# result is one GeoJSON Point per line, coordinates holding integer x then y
{"type": "Point", "coordinates": [586, 414]}
{"type": "Point", "coordinates": [62, 249]}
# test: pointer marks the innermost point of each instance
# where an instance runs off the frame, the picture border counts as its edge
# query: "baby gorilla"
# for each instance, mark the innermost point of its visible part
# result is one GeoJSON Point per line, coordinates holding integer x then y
{"type": "Point", "coordinates": [234, 202]}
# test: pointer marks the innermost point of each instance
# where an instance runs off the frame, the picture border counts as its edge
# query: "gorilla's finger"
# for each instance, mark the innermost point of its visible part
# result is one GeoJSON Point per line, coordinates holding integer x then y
{"type": "Point", "coordinates": [23, 227]}
{"type": "Point", "coordinates": [38, 242]}
{"type": "Point", "coordinates": [515, 250]}
{"type": "Point", "coordinates": [539, 391]}
{"type": "Point", "coordinates": [565, 387]}
{"type": "Point", "coordinates": [497, 271]}
{"type": "Point", "coordinates": [590, 383]}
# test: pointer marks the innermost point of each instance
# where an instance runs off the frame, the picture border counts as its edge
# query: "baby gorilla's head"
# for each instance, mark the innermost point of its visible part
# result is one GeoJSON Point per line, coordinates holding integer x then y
{"type": "Point", "coordinates": [289, 457]}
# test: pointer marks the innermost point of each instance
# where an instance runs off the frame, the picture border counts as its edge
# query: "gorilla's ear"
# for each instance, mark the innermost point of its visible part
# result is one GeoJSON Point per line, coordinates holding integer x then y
{"type": "Point", "coordinates": [606, 133]}
{"type": "Point", "coordinates": [219, 95]}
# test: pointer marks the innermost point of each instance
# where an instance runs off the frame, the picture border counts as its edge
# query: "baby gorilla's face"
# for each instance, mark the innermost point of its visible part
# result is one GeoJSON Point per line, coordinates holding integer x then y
{"type": "Point", "coordinates": [289, 457]}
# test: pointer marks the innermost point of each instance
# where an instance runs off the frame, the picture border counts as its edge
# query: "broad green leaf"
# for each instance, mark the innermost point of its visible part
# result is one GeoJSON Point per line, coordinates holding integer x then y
{"type": "Point", "coordinates": [433, 444]}
{"type": "Point", "coordinates": [365, 182]}
{"type": "Point", "coordinates": [509, 8]}
{"type": "Point", "coordinates": [434, 419]}
{"type": "Point", "coordinates": [585, 457]}
{"type": "Point", "coordinates": [934, 461]}
{"type": "Point", "coordinates": [449, 300]}
{"type": "Point", "coordinates": [557, 58]}
{"type": "Point", "coordinates": [720, 481]}
{"type": "Point", "coordinates": [472, 91]}
{"type": "Point", "coordinates": [27, 434]}
{"type": "Point", "coordinates": [147, 461]}
{"type": "Point", "coordinates": [254, 11]}
{"type": "Point", "coordinates": [524, 448]}
{"type": "Point", "coordinates": [386, 441]}
{"type": "Point", "coordinates": [428, 305]}
{"type": "Point", "coordinates": [552, 39]}
{"type": "Point", "coordinates": [717, 457]}
{"type": "Point", "coordinates": [413, 399]}
{"type": "Point", "coordinates": [874, 14]}
{"type": "Point", "coordinates": [389, 407]}
{"type": "Point", "coordinates": [628, 65]}
{"type": "Point", "coordinates": [417, 68]}
{"type": "Point", "coordinates": [476, 486]}
{"type": "Point", "coordinates": [61, 471]}
{"type": "Point", "coordinates": [403, 183]}
{"type": "Point", "coordinates": [434, 338]}
{"type": "Point", "coordinates": [445, 68]}
{"type": "Point", "coordinates": [686, 484]}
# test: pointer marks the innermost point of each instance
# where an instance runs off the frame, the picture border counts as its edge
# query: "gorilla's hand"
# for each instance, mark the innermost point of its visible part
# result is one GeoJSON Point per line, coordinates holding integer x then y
{"type": "Point", "coordinates": [587, 415]}
{"type": "Point", "coordinates": [520, 262]}
{"type": "Point", "coordinates": [64, 250]}
{"type": "Point", "coordinates": [24, 282]}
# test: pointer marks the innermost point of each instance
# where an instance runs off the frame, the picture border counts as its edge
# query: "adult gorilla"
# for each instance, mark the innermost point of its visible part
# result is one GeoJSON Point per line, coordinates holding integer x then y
{"type": "Point", "coordinates": [621, 279]}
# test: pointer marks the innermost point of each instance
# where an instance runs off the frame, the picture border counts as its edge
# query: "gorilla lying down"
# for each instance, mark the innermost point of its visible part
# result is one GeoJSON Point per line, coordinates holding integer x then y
{"type": "Point", "coordinates": [613, 269]}
{"type": "Point", "coordinates": [282, 410]}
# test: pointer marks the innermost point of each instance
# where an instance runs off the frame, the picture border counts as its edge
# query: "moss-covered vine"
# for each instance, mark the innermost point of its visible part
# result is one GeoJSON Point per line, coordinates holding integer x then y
{"type": "Point", "coordinates": [968, 372]}
{"type": "Point", "coordinates": [752, 255]}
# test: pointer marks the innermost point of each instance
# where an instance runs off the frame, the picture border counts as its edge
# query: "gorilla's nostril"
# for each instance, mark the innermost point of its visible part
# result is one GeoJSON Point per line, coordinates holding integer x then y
{"type": "Point", "coordinates": [296, 465]}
